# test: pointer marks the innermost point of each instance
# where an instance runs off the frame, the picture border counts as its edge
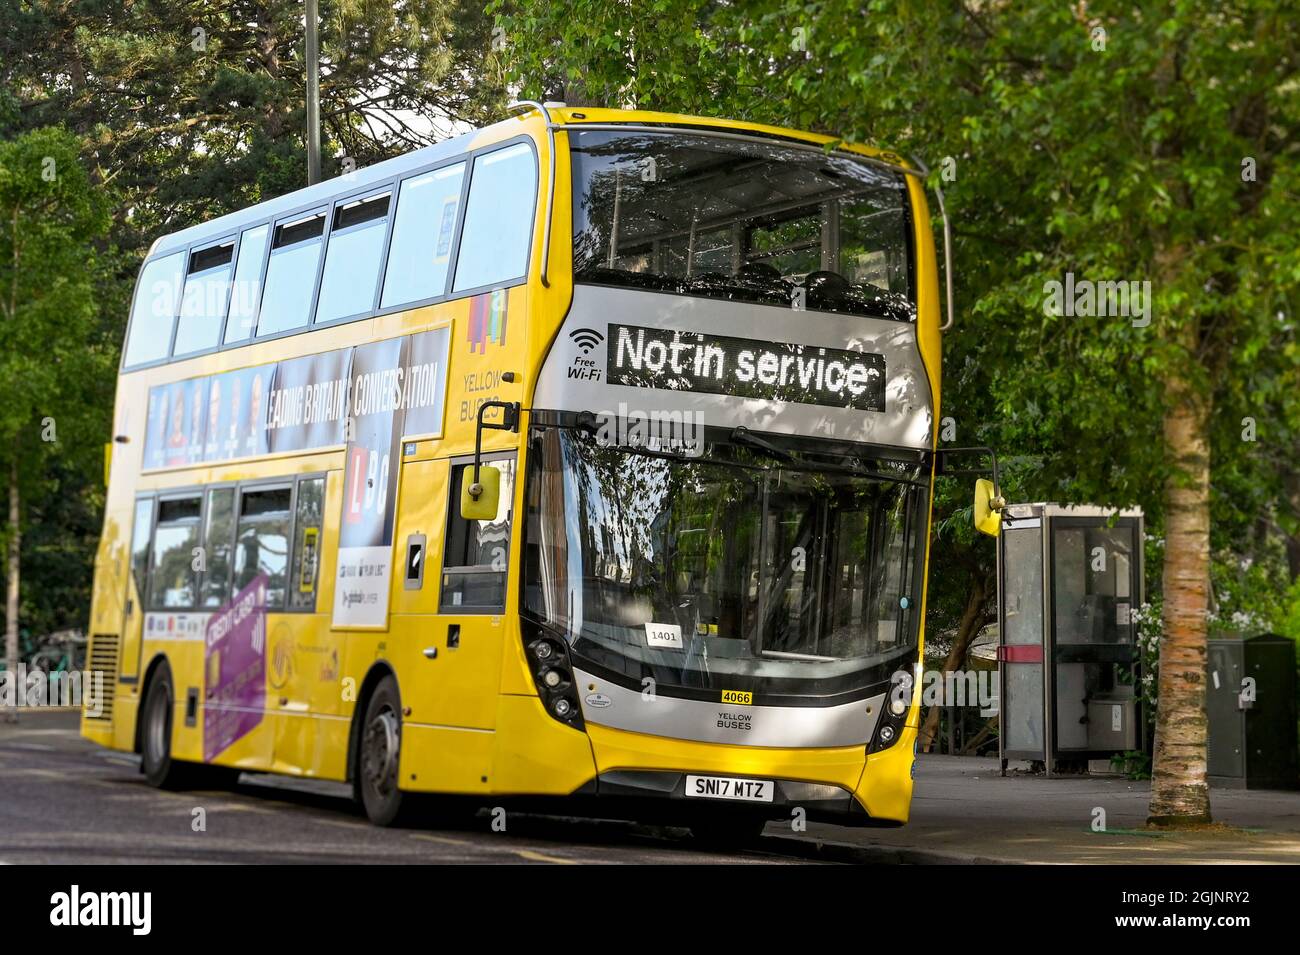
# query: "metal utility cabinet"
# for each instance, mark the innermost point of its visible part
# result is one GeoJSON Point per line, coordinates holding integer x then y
{"type": "Point", "coordinates": [1069, 579]}
{"type": "Point", "coordinates": [1250, 697]}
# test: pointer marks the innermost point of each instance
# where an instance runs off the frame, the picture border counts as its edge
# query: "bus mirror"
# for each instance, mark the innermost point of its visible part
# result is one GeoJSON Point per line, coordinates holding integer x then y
{"type": "Point", "coordinates": [988, 517]}
{"type": "Point", "coordinates": [481, 495]}
{"type": "Point", "coordinates": [479, 499]}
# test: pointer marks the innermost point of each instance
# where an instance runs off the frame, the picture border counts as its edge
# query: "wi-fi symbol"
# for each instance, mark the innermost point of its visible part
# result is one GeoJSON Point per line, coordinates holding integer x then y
{"type": "Point", "coordinates": [586, 338]}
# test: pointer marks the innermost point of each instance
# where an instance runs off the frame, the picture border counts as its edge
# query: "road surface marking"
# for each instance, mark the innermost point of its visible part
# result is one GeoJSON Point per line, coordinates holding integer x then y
{"type": "Point", "coordinates": [532, 856]}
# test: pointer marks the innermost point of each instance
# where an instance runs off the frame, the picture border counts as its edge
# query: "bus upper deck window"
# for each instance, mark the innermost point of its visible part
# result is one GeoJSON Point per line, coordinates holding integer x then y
{"type": "Point", "coordinates": [751, 221]}
{"type": "Point", "coordinates": [498, 218]}
{"type": "Point", "coordinates": [157, 295]}
{"type": "Point", "coordinates": [356, 244]}
{"type": "Point", "coordinates": [291, 274]}
{"type": "Point", "coordinates": [246, 290]}
{"type": "Point", "coordinates": [868, 255]}
{"type": "Point", "coordinates": [423, 234]}
{"type": "Point", "coordinates": [204, 302]}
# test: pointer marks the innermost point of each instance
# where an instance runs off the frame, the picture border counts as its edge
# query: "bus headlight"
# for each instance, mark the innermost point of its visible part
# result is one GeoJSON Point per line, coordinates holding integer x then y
{"type": "Point", "coordinates": [548, 658]}
{"type": "Point", "coordinates": [888, 732]}
{"type": "Point", "coordinates": [893, 714]}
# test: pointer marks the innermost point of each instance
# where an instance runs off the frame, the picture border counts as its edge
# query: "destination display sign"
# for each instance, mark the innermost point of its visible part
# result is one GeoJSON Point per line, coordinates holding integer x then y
{"type": "Point", "coordinates": [629, 354]}
{"type": "Point", "coordinates": [689, 361]}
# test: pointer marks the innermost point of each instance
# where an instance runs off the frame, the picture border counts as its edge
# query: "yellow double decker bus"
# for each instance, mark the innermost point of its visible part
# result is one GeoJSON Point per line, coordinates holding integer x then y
{"type": "Point", "coordinates": [588, 454]}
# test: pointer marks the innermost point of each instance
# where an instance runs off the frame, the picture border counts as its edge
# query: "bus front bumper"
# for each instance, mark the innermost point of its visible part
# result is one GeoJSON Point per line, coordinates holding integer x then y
{"type": "Point", "coordinates": [843, 785]}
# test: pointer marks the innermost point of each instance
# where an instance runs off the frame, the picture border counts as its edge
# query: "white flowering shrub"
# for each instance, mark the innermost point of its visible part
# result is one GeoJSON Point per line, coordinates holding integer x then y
{"type": "Point", "coordinates": [1148, 628]}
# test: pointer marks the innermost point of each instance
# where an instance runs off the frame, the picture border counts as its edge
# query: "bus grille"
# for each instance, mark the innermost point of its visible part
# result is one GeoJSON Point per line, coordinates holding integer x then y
{"type": "Point", "coordinates": [103, 659]}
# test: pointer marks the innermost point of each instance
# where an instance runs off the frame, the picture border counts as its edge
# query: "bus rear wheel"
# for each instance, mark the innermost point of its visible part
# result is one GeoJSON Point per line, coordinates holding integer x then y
{"type": "Point", "coordinates": [378, 756]}
{"type": "Point", "coordinates": [160, 770]}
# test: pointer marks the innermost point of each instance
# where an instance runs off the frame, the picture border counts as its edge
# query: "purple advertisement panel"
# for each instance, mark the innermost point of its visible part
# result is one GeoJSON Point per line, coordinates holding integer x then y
{"type": "Point", "coordinates": [234, 669]}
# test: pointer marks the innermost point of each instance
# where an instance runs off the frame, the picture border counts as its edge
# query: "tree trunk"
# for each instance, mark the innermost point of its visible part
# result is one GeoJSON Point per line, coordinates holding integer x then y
{"type": "Point", "coordinates": [1179, 793]}
{"type": "Point", "coordinates": [971, 619]}
{"type": "Point", "coordinates": [268, 52]}
{"type": "Point", "coordinates": [11, 602]}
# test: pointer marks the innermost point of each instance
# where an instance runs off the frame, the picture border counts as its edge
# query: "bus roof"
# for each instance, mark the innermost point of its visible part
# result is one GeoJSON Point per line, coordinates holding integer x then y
{"type": "Point", "coordinates": [578, 116]}
{"type": "Point", "coordinates": [323, 192]}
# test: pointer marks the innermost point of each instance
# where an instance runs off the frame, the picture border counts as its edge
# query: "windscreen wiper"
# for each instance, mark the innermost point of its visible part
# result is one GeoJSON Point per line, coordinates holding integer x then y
{"type": "Point", "coordinates": [860, 470]}
{"type": "Point", "coordinates": [743, 436]}
{"type": "Point", "coordinates": [746, 438]}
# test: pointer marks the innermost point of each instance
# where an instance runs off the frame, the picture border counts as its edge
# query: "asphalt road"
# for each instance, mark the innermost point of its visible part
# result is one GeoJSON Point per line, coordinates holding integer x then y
{"type": "Point", "coordinates": [65, 800]}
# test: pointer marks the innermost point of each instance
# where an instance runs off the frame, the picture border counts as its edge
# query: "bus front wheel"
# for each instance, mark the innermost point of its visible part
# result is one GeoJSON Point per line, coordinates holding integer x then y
{"type": "Point", "coordinates": [378, 757]}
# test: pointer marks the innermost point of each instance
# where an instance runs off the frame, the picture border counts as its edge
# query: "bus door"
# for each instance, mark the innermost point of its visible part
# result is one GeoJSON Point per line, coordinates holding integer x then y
{"type": "Point", "coordinates": [455, 571]}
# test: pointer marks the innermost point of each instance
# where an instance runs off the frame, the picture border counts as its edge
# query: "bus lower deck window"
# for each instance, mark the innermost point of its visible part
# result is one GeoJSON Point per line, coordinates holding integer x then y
{"type": "Point", "coordinates": [477, 552]}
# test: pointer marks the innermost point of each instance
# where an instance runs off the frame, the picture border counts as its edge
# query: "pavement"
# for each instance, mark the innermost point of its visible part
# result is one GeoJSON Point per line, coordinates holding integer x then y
{"type": "Point", "coordinates": [63, 799]}
{"type": "Point", "coordinates": [965, 811]}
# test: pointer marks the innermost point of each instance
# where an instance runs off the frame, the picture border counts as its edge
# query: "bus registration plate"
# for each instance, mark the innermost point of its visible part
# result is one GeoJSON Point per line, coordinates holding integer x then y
{"type": "Point", "coordinates": [729, 787]}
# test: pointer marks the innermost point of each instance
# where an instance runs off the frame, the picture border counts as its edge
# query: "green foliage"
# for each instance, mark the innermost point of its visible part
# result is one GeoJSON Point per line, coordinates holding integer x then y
{"type": "Point", "coordinates": [50, 219]}
{"type": "Point", "coordinates": [1288, 623]}
{"type": "Point", "coordinates": [1134, 763]}
{"type": "Point", "coordinates": [56, 368]}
